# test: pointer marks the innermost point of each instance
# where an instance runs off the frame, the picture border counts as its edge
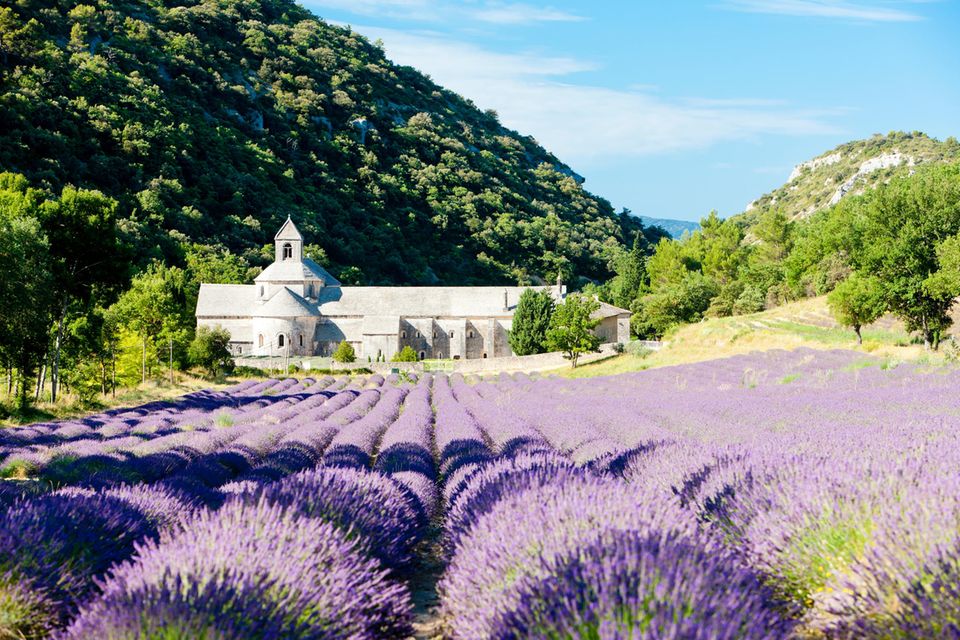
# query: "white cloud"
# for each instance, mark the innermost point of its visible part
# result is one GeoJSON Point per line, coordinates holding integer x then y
{"type": "Point", "coordinates": [498, 13]}
{"type": "Point", "coordinates": [580, 123]}
{"type": "Point", "coordinates": [449, 11]}
{"type": "Point", "coordinates": [824, 9]}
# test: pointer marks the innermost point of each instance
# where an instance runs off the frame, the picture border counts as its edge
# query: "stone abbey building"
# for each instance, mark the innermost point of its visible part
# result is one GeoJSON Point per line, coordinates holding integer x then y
{"type": "Point", "coordinates": [295, 307]}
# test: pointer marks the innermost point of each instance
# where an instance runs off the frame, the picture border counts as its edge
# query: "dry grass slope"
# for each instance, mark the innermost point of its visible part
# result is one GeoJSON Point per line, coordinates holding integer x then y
{"type": "Point", "coordinates": [806, 323]}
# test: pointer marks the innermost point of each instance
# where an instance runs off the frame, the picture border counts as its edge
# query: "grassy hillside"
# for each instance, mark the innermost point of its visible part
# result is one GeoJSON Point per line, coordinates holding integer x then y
{"type": "Point", "coordinates": [851, 169]}
{"type": "Point", "coordinates": [212, 120]}
{"type": "Point", "coordinates": [807, 323]}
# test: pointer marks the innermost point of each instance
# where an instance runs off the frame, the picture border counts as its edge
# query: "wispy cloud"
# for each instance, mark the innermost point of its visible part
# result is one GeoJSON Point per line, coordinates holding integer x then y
{"type": "Point", "coordinates": [487, 11]}
{"type": "Point", "coordinates": [859, 11]}
{"type": "Point", "coordinates": [498, 13]}
{"type": "Point", "coordinates": [535, 95]}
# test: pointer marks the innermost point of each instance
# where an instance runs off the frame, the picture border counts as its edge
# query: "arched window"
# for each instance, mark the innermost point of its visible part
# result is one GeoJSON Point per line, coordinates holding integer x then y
{"type": "Point", "coordinates": [403, 334]}
{"type": "Point", "coordinates": [301, 339]}
{"type": "Point", "coordinates": [280, 340]}
{"type": "Point", "coordinates": [470, 333]}
{"type": "Point", "coordinates": [423, 354]}
{"type": "Point", "coordinates": [439, 355]}
{"type": "Point", "coordinates": [260, 340]}
{"type": "Point", "coordinates": [484, 355]}
{"type": "Point", "coordinates": [451, 333]}
{"type": "Point", "coordinates": [418, 334]}
{"type": "Point", "coordinates": [287, 250]}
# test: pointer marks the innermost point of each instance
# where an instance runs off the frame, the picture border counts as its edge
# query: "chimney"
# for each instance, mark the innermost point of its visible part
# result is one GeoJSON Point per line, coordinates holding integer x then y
{"type": "Point", "coordinates": [506, 304]}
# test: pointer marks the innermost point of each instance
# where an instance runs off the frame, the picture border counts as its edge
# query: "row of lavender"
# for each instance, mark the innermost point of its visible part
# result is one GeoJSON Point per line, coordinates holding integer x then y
{"type": "Point", "coordinates": [271, 526]}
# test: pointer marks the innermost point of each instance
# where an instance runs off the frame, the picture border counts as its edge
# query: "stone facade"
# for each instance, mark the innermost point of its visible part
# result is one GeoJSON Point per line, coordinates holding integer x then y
{"type": "Point", "coordinates": [296, 308]}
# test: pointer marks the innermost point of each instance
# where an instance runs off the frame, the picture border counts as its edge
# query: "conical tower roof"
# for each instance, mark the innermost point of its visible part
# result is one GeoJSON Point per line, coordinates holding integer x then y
{"type": "Point", "coordinates": [285, 304]}
{"type": "Point", "coordinates": [288, 231]}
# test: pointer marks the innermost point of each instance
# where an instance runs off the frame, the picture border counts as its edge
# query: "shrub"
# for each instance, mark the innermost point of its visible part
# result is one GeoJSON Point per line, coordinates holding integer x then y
{"type": "Point", "coordinates": [210, 350]}
{"type": "Point", "coordinates": [345, 353]}
{"type": "Point", "coordinates": [407, 354]}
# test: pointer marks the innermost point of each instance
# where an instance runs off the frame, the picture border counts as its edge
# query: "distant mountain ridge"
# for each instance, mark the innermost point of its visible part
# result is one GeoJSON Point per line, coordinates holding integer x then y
{"type": "Point", "coordinates": [851, 169]}
{"type": "Point", "coordinates": [676, 228]}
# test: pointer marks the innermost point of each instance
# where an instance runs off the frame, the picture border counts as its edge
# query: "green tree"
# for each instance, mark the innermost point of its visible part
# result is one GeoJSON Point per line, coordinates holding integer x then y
{"type": "Point", "coordinates": [213, 265]}
{"type": "Point", "coordinates": [857, 301]}
{"type": "Point", "coordinates": [25, 282]}
{"type": "Point", "coordinates": [344, 352]}
{"type": "Point", "coordinates": [669, 306]}
{"type": "Point", "coordinates": [86, 256]}
{"type": "Point", "coordinates": [571, 327]}
{"type": "Point", "coordinates": [906, 222]}
{"type": "Point", "coordinates": [155, 309]}
{"type": "Point", "coordinates": [531, 320]}
{"type": "Point", "coordinates": [407, 354]}
{"type": "Point", "coordinates": [210, 349]}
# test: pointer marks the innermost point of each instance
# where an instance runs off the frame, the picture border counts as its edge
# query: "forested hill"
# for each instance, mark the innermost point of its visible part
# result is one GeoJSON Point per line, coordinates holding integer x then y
{"type": "Point", "coordinates": [851, 169]}
{"type": "Point", "coordinates": [211, 121]}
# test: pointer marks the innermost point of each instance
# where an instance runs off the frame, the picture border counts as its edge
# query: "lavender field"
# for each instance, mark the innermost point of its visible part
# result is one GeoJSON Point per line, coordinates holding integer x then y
{"type": "Point", "coordinates": [781, 494]}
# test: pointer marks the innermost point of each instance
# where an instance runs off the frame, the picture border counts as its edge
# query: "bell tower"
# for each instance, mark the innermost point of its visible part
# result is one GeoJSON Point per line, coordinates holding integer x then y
{"type": "Point", "coordinates": [288, 243]}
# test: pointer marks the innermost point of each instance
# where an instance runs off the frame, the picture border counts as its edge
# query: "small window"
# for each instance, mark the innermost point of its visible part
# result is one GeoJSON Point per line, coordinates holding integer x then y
{"type": "Point", "coordinates": [484, 355]}
{"type": "Point", "coordinates": [280, 340]}
{"type": "Point", "coordinates": [403, 334]}
{"type": "Point", "coordinates": [260, 340]}
{"type": "Point", "coordinates": [261, 292]}
{"type": "Point", "coordinates": [418, 334]}
{"type": "Point", "coordinates": [287, 251]}
{"type": "Point", "coordinates": [456, 357]}
{"type": "Point", "coordinates": [451, 333]}
{"type": "Point", "coordinates": [439, 355]}
{"type": "Point", "coordinates": [434, 335]}
{"type": "Point", "coordinates": [239, 349]}
{"type": "Point", "coordinates": [423, 354]}
{"type": "Point", "coordinates": [470, 333]}
{"type": "Point", "coordinates": [301, 339]}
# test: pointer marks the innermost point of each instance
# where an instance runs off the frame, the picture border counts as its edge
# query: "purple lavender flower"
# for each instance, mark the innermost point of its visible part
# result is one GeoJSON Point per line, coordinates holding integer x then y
{"type": "Point", "coordinates": [256, 567]}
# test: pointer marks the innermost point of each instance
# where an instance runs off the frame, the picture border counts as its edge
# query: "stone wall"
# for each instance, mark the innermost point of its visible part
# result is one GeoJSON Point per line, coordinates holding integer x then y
{"type": "Point", "coordinates": [539, 362]}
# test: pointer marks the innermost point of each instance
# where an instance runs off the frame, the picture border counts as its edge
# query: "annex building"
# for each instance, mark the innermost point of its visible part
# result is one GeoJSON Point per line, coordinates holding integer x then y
{"type": "Point", "coordinates": [295, 307]}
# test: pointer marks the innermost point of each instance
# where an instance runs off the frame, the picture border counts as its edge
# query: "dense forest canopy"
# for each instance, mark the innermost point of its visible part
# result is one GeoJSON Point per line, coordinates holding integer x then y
{"type": "Point", "coordinates": [211, 121]}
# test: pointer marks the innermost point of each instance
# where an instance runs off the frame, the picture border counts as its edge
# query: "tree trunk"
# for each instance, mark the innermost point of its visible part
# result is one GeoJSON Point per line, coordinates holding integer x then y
{"type": "Point", "coordinates": [936, 340]}
{"type": "Point", "coordinates": [55, 374]}
{"type": "Point", "coordinates": [927, 337]}
{"type": "Point", "coordinates": [856, 330]}
{"type": "Point", "coordinates": [41, 379]}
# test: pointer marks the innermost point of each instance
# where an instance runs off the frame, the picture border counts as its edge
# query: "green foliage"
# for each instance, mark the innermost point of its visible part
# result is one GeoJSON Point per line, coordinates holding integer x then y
{"type": "Point", "coordinates": [531, 320]}
{"type": "Point", "coordinates": [210, 349]}
{"type": "Point", "coordinates": [25, 282]}
{"type": "Point", "coordinates": [209, 122]}
{"type": "Point", "coordinates": [345, 353]}
{"type": "Point", "coordinates": [407, 354]}
{"type": "Point", "coordinates": [906, 222]}
{"type": "Point", "coordinates": [857, 301]}
{"type": "Point", "coordinates": [571, 327]}
{"type": "Point", "coordinates": [673, 304]}
{"type": "Point", "coordinates": [945, 282]}
{"type": "Point", "coordinates": [155, 309]}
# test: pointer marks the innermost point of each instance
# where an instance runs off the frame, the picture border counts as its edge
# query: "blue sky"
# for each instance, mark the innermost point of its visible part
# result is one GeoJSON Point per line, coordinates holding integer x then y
{"type": "Point", "coordinates": [672, 109]}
